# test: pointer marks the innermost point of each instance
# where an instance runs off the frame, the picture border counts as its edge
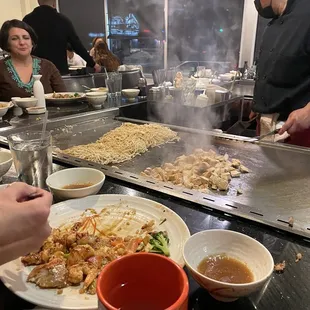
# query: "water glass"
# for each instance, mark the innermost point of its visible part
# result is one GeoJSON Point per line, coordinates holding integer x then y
{"type": "Point", "coordinates": [114, 84]}
{"type": "Point", "coordinates": [32, 156]}
{"type": "Point", "coordinates": [114, 100]}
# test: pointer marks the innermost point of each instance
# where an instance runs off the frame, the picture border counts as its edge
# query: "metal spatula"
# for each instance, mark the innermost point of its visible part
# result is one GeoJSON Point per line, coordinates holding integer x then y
{"type": "Point", "coordinates": [259, 138]}
{"type": "Point", "coordinates": [239, 127]}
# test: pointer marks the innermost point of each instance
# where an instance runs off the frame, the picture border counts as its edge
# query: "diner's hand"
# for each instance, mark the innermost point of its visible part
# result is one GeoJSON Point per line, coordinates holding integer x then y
{"type": "Point", "coordinates": [97, 68]}
{"type": "Point", "coordinates": [297, 121]}
{"type": "Point", "coordinates": [24, 211]}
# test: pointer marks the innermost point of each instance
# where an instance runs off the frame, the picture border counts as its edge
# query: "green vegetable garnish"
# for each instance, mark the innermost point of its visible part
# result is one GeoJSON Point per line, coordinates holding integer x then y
{"type": "Point", "coordinates": [159, 243]}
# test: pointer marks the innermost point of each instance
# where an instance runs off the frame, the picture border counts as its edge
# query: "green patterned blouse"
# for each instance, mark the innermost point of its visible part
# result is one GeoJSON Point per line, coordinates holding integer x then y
{"type": "Point", "coordinates": [36, 67]}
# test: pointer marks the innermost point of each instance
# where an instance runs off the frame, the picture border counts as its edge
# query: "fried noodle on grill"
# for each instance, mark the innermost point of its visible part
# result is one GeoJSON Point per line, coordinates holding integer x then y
{"type": "Point", "coordinates": [124, 143]}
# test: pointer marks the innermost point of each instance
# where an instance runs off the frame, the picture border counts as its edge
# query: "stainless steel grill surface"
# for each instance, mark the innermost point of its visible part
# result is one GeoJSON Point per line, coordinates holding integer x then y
{"type": "Point", "coordinates": [277, 188]}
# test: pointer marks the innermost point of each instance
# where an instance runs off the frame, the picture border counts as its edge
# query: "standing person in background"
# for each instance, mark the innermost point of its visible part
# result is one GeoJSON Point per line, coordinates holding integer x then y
{"type": "Point", "coordinates": [54, 32]}
{"type": "Point", "coordinates": [96, 41]}
{"type": "Point", "coordinates": [74, 59]}
{"type": "Point", "coordinates": [105, 58]}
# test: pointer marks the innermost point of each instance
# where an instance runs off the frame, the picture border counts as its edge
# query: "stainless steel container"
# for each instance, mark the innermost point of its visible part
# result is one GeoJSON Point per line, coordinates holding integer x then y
{"type": "Point", "coordinates": [155, 94]}
{"type": "Point", "coordinates": [177, 94]}
{"type": "Point", "coordinates": [222, 95]}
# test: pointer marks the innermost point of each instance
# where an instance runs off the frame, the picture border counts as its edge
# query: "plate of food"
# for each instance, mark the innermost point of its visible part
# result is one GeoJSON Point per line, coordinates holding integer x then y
{"type": "Point", "coordinates": [64, 97]}
{"type": "Point", "coordinates": [73, 68]}
{"type": "Point", "coordinates": [100, 89]}
{"type": "Point", "coordinates": [87, 234]}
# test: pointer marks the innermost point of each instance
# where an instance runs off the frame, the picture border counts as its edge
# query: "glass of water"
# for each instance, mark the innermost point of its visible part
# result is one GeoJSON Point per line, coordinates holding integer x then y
{"type": "Point", "coordinates": [114, 84]}
{"type": "Point", "coordinates": [32, 156]}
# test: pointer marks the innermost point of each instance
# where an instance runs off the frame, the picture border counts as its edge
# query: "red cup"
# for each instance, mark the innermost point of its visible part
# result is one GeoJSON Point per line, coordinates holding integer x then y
{"type": "Point", "coordinates": [143, 281]}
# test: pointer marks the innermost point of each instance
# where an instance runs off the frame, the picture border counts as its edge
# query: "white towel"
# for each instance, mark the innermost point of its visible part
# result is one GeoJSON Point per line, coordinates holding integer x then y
{"type": "Point", "coordinates": [268, 123]}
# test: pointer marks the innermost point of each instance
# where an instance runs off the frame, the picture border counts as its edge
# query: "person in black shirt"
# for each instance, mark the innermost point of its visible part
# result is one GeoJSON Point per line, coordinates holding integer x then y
{"type": "Point", "coordinates": [54, 32]}
{"type": "Point", "coordinates": [283, 73]}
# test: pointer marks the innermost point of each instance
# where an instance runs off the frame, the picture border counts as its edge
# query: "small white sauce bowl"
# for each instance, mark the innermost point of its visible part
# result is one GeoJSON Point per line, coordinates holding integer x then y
{"type": "Point", "coordinates": [238, 246]}
{"type": "Point", "coordinates": [58, 180]}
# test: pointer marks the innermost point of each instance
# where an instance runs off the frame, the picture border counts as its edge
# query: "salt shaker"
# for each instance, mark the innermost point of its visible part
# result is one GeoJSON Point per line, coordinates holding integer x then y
{"type": "Point", "coordinates": [38, 91]}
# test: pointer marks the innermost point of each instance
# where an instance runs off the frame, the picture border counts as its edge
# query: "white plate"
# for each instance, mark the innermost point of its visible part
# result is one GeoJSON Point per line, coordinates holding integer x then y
{"type": "Point", "coordinates": [14, 274]}
{"type": "Point", "coordinates": [100, 89]}
{"type": "Point", "coordinates": [35, 111]}
{"type": "Point", "coordinates": [76, 67]}
{"type": "Point", "coordinates": [49, 97]}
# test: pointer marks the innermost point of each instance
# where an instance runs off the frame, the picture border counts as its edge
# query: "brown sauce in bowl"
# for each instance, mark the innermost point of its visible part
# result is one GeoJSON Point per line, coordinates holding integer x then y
{"type": "Point", "coordinates": [78, 185]}
{"type": "Point", "coordinates": [225, 269]}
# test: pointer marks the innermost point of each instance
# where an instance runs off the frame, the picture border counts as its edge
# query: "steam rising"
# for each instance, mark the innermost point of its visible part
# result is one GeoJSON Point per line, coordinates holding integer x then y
{"type": "Point", "coordinates": [207, 31]}
{"type": "Point", "coordinates": [177, 114]}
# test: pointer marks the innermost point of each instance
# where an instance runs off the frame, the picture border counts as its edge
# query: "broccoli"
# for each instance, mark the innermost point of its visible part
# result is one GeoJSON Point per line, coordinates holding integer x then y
{"type": "Point", "coordinates": [159, 242]}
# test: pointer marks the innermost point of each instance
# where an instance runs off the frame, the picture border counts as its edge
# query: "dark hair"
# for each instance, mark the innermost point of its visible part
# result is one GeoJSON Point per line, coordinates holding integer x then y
{"type": "Point", "coordinates": [15, 23]}
{"type": "Point", "coordinates": [69, 48]}
{"type": "Point", "coordinates": [96, 39]}
{"type": "Point", "coordinates": [102, 47]}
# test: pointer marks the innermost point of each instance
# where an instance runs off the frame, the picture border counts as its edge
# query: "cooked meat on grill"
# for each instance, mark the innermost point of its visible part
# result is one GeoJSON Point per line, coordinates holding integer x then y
{"type": "Point", "coordinates": [201, 170]}
{"type": "Point", "coordinates": [280, 267]}
{"type": "Point", "coordinates": [298, 257]}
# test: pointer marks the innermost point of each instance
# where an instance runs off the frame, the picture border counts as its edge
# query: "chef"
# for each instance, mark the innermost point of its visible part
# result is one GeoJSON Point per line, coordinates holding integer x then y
{"type": "Point", "coordinates": [282, 90]}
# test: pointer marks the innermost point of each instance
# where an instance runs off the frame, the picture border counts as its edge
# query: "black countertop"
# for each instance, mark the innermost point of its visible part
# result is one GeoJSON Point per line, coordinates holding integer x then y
{"type": "Point", "coordinates": [285, 291]}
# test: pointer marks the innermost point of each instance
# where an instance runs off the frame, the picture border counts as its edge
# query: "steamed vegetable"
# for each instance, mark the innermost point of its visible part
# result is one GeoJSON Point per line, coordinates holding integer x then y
{"type": "Point", "coordinates": [159, 243]}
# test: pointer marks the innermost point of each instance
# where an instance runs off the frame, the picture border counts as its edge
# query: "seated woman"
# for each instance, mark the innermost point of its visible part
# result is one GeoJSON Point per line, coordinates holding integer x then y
{"type": "Point", "coordinates": [105, 58]}
{"type": "Point", "coordinates": [96, 41]}
{"type": "Point", "coordinates": [17, 70]}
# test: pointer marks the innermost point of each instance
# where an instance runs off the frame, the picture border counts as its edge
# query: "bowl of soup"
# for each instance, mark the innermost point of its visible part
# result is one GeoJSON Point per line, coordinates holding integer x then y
{"type": "Point", "coordinates": [25, 103]}
{"type": "Point", "coordinates": [96, 99]}
{"type": "Point", "coordinates": [75, 183]}
{"type": "Point", "coordinates": [130, 94]}
{"type": "Point", "coordinates": [229, 265]}
{"type": "Point", "coordinates": [143, 281]}
{"type": "Point", "coordinates": [4, 107]}
{"type": "Point", "coordinates": [6, 161]}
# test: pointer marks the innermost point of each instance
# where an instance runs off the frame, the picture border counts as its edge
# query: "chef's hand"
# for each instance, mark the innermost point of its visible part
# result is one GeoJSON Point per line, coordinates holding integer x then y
{"type": "Point", "coordinates": [252, 115]}
{"type": "Point", "coordinates": [23, 220]}
{"type": "Point", "coordinates": [297, 121]}
{"type": "Point", "coordinates": [97, 68]}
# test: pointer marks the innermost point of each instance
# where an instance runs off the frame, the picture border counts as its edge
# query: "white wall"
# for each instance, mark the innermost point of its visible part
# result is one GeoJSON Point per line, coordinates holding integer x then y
{"type": "Point", "coordinates": [27, 6]}
{"type": "Point", "coordinates": [248, 35]}
{"type": "Point", "coordinates": [11, 9]}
